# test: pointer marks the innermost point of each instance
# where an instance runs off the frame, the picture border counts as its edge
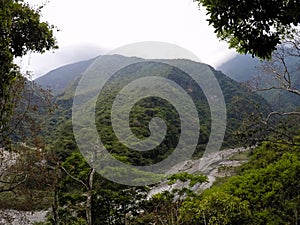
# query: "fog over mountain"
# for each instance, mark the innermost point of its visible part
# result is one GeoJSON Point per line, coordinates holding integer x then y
{"type": "Point", "coordinates": [39, 64]}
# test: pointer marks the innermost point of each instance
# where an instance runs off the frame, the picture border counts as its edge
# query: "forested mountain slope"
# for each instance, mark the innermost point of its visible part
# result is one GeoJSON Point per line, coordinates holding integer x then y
{"type": "Point", "coordinates": [240, 103]}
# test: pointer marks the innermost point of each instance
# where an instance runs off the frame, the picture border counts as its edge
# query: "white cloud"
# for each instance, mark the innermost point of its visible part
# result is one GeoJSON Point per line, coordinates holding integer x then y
{"type": "Point", "coordinates": [112, 23]}
{"type": "Point", "coordinates": [39, 64]}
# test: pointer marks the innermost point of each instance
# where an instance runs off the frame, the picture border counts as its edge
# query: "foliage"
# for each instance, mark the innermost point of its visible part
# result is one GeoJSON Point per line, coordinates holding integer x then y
{"type": "Point", "coordinates": [26, 181]}
{"type": "Point", "coordinates": [267, 77]}
{"type": "Point", "coordinates": [215, 207]}
{"type": "Point", "coordinates": [111, 203]}
{"type": "Point", "coordinates": [239, 102]}
{"type": "Point", "coordinates": [274, 127]}
{"type": "Point", "coordinates": [163, 208]}
{"type": "Point", "coordinates": [117, 204]}
{"type": "Point", "coordinates": [278, 79]}
{"type": "Point", "coordinates": [254, 27]}
{"type": "Point", "coordinates": [265, 192]}
{"type": "Point", "coordinates": [63, 76]}
{"type": "Point", "coordinates": [184, 177]}
{"type": "Point", "coordinates": [279, 83]}
{"type": "Point", "coordinates": [160, 209]}
{"type": "Point", "coordinates": [21, 32]}
{"type": "Point", "coordinates": [26, 178]}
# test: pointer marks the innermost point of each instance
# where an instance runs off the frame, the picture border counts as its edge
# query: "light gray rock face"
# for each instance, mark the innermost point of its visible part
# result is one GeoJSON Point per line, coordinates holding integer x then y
{"type": "Point", "coordinates": [209, 165]}
{"type": "Point", "coordinates": [14, 217]}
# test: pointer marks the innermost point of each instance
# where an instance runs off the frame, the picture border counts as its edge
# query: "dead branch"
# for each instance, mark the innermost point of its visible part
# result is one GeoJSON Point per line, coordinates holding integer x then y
{"type": "Point", "coordinates": [13, 185]}
{"type": "Point", "coordinates": [280, 114]}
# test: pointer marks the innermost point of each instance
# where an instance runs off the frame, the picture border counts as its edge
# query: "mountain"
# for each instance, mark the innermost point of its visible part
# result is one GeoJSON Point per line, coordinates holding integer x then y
{"type": "Point", "coordinates": [241, 68]}
{"type": "Point", "coordinates": [239, 100]}
{"type": "Point", "coordinates": [58, 79]}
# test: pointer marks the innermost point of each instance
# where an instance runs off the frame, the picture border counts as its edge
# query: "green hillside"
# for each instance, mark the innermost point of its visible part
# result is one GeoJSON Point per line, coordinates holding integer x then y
{"type": "Point", "coordinates": [240, 102]}
{"type": "Point", "coordinates": [58, 79]}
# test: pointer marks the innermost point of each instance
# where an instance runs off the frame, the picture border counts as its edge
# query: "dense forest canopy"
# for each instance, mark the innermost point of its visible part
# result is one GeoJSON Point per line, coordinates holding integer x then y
{"type": "Point", "coordinates": [254, 27]}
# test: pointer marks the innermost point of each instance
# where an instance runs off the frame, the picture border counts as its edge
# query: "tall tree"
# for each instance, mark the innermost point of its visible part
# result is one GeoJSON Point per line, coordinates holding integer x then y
{"type": "Point", "coordinates": [253, 26]}
{"type": "Point", "coordinates": [21, 31]}
{"type": "Point", "coordinates": [22, 169]}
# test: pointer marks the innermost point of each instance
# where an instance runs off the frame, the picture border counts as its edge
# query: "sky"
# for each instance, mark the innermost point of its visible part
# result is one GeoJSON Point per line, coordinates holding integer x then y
{"type": "Point", "coordinates": [94, 27]}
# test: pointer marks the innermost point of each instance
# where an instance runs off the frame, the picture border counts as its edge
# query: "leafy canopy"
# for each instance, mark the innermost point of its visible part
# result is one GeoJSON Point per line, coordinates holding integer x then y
{"type": "Point", "coordinates": [253, 26]}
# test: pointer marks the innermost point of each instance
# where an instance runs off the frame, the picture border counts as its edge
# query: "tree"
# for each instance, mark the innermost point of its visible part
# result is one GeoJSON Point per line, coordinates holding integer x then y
{"type": "Point", "coordinates": [21, 32]}
{"type": "Point", "coordinates": [253, 26]}
{"type": "Point", "coordinates": [25, 177]}
{"type": "Point", "coordinates": [84, 175]}
{"type": "Point", "coordinates": [26, 182]}
{"type": "Point", "coordinates": [84, 197]}
{"type": "Point", "coordinates": [25, 155]}
{"type": "Point", "coordinates": [215, 207]}
{"type": "Point", "coordinates": [281, 71]}
{"type": "Point", "coordinates": [279, 81]}
{"type": "Point", "coordinates": [160, 209]}
{"type": "Point", "coordinates": [22, 105]}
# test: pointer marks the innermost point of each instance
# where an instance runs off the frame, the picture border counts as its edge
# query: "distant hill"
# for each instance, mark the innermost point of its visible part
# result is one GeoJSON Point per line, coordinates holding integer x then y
{"type": "Point", "coordinates": [58, 79]}
{"type": "Point", "coordinates": [241, 68]}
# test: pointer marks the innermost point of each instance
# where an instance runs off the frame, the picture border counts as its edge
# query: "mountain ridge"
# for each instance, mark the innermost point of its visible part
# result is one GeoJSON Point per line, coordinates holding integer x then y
{"type": "Point", "coordinates": [58, 79]}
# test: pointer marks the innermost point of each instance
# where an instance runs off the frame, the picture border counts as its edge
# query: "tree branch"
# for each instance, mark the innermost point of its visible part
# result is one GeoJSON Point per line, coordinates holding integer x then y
{"type": "Point", "coordinates": [74, 178]}
{"type": "Point", "coordinates": [13, 186]}
{"type": "Point", "coordinates": [294, 91]}
{"type": "Point", "coordinates": [291, 90]}
{"type": "Point", "coordinates": [280, 114]}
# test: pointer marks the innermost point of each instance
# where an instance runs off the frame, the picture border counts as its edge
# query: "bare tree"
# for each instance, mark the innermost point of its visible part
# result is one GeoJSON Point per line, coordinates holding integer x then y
{"type": "Point", "coordinates": [23, 168]}
{"type": "Point", "coordinates": [282, 72]}
{"type": "Point", "coordinates": [10, 178]}
{"type": "Point", "coordinates": [280, 76]}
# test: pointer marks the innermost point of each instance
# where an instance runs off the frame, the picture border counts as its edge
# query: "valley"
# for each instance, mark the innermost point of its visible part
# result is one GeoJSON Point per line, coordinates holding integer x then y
{"type": "Point", "coordinates": [149, 112]}
{"type": "Point", "coordinates": [68, 175]}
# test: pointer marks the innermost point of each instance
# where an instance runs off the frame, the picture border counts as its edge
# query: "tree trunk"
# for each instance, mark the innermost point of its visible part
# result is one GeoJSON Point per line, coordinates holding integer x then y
{"type": "Point", "coordinates": [89, 197]}
{"type": "Point", "coordinates": [55, 207]}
